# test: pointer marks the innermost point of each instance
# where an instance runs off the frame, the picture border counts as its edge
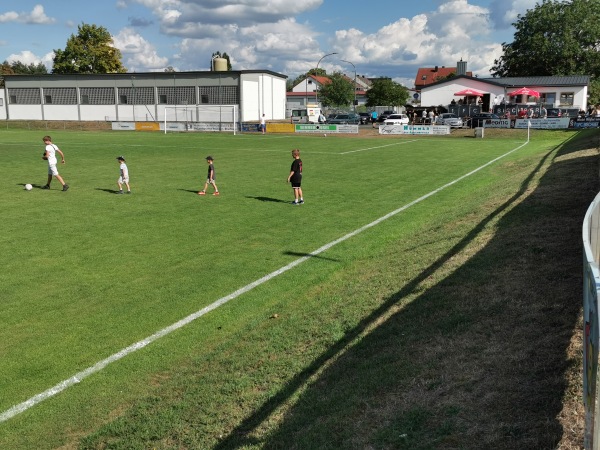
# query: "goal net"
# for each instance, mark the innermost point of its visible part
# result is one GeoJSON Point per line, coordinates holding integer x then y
{"type": "Point", "coordinates": [216, 118]}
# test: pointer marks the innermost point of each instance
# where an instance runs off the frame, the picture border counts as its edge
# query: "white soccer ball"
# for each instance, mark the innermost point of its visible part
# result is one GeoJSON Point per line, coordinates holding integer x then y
{"type": "Point", "coordinates": [325, 134]}
{"type": "Point", "coordinates": [28, 187]}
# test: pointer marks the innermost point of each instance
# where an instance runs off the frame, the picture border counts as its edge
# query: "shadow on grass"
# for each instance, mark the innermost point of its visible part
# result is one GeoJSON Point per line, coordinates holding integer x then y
{"type": "Point", "coordinates": [268, 199]}
{"type": "Point", "coordinates": [191, 191]}
{"type": "Point", "coordinates": [479, 360]}
{"type": "Point", "coordinates": [301, 255]}
{"type": "Point", "coordinates": [110, 191]}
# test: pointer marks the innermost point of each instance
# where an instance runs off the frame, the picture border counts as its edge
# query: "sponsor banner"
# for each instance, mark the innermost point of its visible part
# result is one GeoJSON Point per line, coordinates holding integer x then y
{"type": "Point", "coordinates": [497, 123]}
{"type": "Point", "coordinates": [123, 126]}
{"type": "Point", "coordinates": [325, 128]}
{"type": "Point", "coordinates": [549, 123]}
{"type": "Point", "coordinates": [147, 126]}
{"type": "Point", "coordinates": [210, 126]}
{"type": "Point", "coordinates": [280, 128]}
{"type": "Point", "coordinates": [415, 129]}
{"type": "Point", "coordinates": [585, 123]}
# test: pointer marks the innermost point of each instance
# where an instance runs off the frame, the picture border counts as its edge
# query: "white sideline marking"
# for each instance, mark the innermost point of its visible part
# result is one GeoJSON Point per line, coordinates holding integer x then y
{"type": "Point", "coordinates": [78, 377]}
{"type": "Point", "coordinates": [379, 146]}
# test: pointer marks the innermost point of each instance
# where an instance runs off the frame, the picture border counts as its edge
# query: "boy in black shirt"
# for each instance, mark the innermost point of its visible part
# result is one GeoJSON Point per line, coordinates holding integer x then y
{"type": "Point", "coordinates": [295, 177]}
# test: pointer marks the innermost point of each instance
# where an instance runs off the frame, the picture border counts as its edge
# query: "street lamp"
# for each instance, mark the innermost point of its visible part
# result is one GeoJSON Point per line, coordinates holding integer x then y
{"type": "Point", "coordinates": [316, 71]}
{"type": "Point", "coordinates": [354, 82]}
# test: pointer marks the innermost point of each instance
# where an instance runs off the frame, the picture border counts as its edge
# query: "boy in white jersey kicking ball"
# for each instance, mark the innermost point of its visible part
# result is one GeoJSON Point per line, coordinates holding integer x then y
{"type": "Point", "coordinates": [50, 156]}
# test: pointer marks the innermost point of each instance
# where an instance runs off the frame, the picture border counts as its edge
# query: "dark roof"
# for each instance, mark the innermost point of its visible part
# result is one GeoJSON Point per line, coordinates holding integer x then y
{"type": "Point", "coordinates": [517, 82]}
{"type": "Point", "coordinates": [554, 80]}
{"type": "Point", "coordinates": [141, 74]}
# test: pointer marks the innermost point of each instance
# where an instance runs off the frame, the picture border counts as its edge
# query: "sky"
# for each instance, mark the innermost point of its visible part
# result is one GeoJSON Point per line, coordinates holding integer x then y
{"type": "Point", "coordinates": [390, 38]}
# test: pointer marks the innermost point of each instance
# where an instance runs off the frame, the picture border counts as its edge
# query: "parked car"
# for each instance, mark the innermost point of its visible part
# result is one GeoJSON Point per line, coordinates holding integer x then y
{"type": "Point", "coordinates": [350, 118]}
{"type": "Point", "coordinates": [365, 118]}
{"type": "Point", "coordinates": [384, 115]}
{"type": "Point", "coordinates": [449, 119]}
{"type": "Point", "coordinates": [478, 120]}
{"type": "Point", "coordinates": [397, 119]}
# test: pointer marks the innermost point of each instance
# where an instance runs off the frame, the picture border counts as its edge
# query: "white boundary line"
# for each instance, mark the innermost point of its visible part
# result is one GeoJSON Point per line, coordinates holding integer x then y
{"type": "Point", "coordinates": [379, 146]}
{"type": "Point", "coordinates": [78, 377]}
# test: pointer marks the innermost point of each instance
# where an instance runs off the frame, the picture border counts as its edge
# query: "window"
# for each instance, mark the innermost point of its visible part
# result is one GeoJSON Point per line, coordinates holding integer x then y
{"type": "Point", "coordinates": [424, 77]}
{"type": "Point", "coordinates": [13, 99]}
{"type": "Point", "coordinates": [48, 99]}
{"type": "Point", "coordinates": [548, 97]}
{"type": "Point", "coordinates": [162, 99]}
{"type": "Point", "coordinates": [123, 99]}
{"type": "Point", "coordinates": [85, 99]}
{"type": "Point", "coordinates": [566, 98]}
{"type": "Point", "coordinates": [204, 98]}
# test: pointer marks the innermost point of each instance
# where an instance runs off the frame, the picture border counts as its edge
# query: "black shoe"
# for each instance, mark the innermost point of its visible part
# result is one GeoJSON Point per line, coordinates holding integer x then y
{"type": "Point", "coordinates": [65, 187]}
{"type": "Point", "coordinates": [120, 192]}
{"type": "Point", "coordinates": [129, 192]}
{"type": "Point", "coordinates": [47, 186]}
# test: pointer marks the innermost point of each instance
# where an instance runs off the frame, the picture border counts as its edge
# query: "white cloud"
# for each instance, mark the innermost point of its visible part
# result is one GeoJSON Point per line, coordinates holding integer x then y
{"type": "Point", "coordinates": [27, 57]}
{"type": "Point", "coordinates": [505, 12]}
{"type": "Point", "coordinates": [456, 30]}
{"type": "Point", "coordinates": [138, 53]}
{"type": "Point", "coordinates": [36, 16]}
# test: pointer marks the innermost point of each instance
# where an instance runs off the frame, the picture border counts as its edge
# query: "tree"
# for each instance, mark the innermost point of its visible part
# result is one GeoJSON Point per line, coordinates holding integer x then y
{"type": "Point", "coordinates": [17, 67]}
{"type": "Point", "coordinates": [554, 38]}
{"type": "Point", "coordinates": [385, 92]}
{"type": "Point", "coordinates": [91, 51]}
{"type": "Point", "coordinates": [219, 55]}
{"type": "Point", "coordinates": [338, 93]}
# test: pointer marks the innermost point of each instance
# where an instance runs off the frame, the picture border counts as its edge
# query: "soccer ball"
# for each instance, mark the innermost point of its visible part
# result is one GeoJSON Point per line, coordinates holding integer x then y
{"type": "Point", "coordinates": [28, 187]}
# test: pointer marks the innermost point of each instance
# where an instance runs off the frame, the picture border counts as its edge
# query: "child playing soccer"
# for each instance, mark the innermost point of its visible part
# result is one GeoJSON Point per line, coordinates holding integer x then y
{"type": "Point", "coordinates": [50, 156]}
{"type": "Point", "coordinates": [210, 178]}
{"type": "Point", "coordinates": [295, 177]}
{"type": "Point", "coordinates": [123, 175]}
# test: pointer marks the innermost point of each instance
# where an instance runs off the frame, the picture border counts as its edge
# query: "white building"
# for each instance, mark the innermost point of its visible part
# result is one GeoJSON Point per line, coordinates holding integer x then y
{"type": "Point", "coordinates": [142, 96]}
{"type": "Point", "coordinates": [568, 92]}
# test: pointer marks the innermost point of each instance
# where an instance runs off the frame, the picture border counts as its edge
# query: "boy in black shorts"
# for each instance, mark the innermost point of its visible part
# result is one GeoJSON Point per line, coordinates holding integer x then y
{"type": "Point", "coordinates": [295, 177]}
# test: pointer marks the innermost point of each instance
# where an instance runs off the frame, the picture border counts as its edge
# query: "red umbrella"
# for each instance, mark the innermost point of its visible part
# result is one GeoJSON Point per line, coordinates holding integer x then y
{"type": "Point", "coordinates": [525, 91]}
{"type": "Point", "coordinates": [468, 91]}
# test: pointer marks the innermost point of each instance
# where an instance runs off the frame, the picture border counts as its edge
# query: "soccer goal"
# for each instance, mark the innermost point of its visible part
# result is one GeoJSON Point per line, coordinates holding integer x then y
{"type": "Point", "coordinates": [216, 118]}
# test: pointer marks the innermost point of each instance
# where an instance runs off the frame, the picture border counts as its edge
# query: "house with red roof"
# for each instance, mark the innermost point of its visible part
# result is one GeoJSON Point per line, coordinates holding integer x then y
{"type": "Point", "coordinates": [429, 75]}
{"type": "Point", "coordinates": [305, 91]}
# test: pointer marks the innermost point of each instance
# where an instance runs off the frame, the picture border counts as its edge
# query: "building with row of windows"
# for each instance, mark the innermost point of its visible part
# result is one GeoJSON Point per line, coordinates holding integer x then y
{"type": "Point", "coordinates": [143, 96]}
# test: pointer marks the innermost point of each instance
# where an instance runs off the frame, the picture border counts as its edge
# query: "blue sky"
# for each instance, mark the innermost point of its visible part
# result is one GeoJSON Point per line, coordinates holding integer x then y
{"type": "Point", "coordinates": [381, 38]}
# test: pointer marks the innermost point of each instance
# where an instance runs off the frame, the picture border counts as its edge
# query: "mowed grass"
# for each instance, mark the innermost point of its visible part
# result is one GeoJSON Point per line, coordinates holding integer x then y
{"type": "Point", "coordinates": [87, 273]}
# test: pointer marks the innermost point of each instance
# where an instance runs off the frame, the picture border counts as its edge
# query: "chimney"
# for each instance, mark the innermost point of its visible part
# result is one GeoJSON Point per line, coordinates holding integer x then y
{"type": "Point", "coordinates": [435, 69]}
{"type": "Point", "coordinates": [461, 67]}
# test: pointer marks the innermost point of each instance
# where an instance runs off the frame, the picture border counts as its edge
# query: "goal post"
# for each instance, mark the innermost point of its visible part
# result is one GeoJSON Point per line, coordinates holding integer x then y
{"type": "Point", "coordinates": [215, 118]}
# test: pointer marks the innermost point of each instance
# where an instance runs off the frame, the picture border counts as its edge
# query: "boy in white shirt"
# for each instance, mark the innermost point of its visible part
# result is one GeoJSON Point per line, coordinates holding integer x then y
{"type": "Point", "coordinates": [123, 175]}
{"type": "Point", "coordinates": [50, 156]}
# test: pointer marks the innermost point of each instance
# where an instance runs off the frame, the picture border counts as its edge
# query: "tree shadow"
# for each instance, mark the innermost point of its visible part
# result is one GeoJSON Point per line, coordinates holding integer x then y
{"type": "Point", "coordinates": [498, 381]}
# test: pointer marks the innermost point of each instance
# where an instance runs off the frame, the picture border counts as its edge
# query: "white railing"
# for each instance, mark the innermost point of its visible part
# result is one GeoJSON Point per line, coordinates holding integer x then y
{"type": "Point", "coordinates": [591, 323]}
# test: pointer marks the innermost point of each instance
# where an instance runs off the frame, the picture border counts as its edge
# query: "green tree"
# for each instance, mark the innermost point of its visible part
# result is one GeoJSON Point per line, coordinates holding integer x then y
{"type": "Point", "coordinates": [90, 51]}
{"type": "Point", "coordinates": [385, 92]}
{"type": "Point", "coordinates": [220, 55]}
{"type": "Point", "coordinates": [18, 67]}
{"type": "Point", "coordinates": [554, 38]}
{"type": "Point", "coordinates": [338, 93]}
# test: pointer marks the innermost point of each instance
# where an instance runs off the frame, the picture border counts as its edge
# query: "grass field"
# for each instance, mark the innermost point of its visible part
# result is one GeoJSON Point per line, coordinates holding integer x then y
{"type": "Point", "coordinates": [306, 359]}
